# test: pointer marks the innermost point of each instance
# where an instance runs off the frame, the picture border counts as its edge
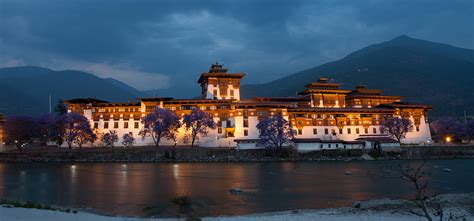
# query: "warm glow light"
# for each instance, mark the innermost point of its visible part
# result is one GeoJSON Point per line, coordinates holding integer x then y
{"type": "Point", "coordinates": [448, 139]}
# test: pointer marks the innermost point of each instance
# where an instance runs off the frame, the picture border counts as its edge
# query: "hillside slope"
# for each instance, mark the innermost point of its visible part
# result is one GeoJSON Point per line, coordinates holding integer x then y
{"type": "Point", "coordinates": [26, 90]}
{"type": "Point", "coordinates": [423, 71]}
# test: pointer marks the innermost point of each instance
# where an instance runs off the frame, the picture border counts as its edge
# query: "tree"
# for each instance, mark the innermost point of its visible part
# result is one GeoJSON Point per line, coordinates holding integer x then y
{"type": "Point", "coordinates": [447, 127]}
{"type": "Point", "coordinates": [160, 123]}
{"type": "Point", "coordinates": [109, 138]}
{"type": "Point", "coordinates": [128, 140]}
{"type": "Point", "coordinates": [468, 131]}
{"type": "Point", "coordinates": [416, 175]}
{"type": "Point", "coordinates": [60, 108]}
{"type": "Point", "coordinates": [397, 127]}
{"type": "Point", "coordinates": [199, 122]}
{"type": "Point", "coordinates": [19, 130]}
{"type": "Point", "coordinates": [275, 132]}
{"type": "Point", "coordinates": [77, 130]}
{"type": "Point", "coordinates": [46, 128]}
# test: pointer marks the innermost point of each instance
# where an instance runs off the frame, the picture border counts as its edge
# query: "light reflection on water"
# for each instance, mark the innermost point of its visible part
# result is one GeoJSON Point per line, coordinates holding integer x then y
{"type": "Point", "coordinates": [126, 189]}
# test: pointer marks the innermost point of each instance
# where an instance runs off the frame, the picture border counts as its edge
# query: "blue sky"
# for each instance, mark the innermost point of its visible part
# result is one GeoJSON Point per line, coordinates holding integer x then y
{"type": "Point", "coordinates": [160, 44]}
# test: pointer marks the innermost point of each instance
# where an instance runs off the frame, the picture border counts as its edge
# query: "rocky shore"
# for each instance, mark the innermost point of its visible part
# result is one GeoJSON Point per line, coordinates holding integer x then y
{"type": "Point", "coordinates": [197, 154]}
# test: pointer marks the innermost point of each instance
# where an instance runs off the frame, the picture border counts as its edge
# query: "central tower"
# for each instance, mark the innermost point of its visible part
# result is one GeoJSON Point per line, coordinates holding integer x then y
{"type": "Point", "coordinates": [217, 84]}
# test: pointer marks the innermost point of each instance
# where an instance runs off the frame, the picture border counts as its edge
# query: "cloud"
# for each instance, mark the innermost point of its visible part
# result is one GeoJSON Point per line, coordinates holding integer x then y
{"type": "Point", "coordinates": [122, 72]}
{"type": "Point", "coordinates": [268, 39]}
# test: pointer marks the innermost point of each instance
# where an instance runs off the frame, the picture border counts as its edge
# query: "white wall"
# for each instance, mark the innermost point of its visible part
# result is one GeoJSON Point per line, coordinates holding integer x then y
{"type": "Point", "coordinates": [421, 136]}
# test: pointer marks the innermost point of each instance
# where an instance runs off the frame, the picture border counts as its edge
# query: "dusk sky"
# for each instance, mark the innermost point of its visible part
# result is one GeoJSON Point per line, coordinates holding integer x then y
{"type": "Point", "coordinates": [155, 44]}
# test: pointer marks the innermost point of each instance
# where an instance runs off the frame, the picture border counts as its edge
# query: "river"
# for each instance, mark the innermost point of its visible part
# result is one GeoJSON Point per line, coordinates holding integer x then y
{"type": "Point", "coordinates": [126, 189]}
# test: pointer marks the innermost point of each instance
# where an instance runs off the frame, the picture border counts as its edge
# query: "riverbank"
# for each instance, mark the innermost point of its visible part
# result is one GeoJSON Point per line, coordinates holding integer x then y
{"type": "Point", "coordinates": [456, 206]}
{"type": "Point", "coordinates": [198, 154]}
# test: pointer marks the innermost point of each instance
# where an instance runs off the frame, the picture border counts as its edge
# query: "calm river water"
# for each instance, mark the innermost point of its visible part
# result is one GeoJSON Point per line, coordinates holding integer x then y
{"type": "Point", "coordinates": [126, 189]}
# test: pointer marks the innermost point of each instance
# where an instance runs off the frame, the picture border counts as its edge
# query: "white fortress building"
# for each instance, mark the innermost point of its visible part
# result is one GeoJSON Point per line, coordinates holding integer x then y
{"type": "Point", "coordinates": [324, 116]}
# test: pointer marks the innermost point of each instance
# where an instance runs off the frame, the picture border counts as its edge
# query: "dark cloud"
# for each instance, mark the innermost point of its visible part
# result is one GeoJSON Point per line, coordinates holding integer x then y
{"type": "Point", "coordinates": [176, 40]}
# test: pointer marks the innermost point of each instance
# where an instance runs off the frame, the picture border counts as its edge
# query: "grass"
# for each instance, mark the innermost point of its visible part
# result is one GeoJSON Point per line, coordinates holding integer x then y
{"type": "Point", "coordinates": [32, 205]}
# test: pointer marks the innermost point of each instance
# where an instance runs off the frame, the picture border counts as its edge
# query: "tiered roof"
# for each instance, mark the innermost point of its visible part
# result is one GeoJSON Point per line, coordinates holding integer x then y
{"type": "Point", "coordinates": [218, 71]}
{"type": "Point", "coordinates": [323, 86]}
{"type": "Point", "coordinates": [362, 91]}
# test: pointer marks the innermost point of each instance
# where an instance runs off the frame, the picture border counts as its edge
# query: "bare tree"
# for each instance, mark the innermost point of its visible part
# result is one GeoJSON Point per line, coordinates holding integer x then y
{"type": "Point", "coordinates": [419, 178]}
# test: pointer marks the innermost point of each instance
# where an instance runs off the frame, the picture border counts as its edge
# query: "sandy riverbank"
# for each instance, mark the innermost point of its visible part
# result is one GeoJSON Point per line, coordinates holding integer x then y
{"type": "Point", "coordinates": [459, 206]}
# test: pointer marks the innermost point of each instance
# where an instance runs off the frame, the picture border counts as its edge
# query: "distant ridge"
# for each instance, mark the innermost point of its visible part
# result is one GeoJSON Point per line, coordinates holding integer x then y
{"type": "Point", "coordinates": [437, 74]}
{"type": "Point", "coordinates": [26, 89]}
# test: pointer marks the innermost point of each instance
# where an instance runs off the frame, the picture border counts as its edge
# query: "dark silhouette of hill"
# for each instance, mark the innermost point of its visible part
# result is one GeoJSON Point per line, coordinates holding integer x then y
{"type": "Point", "coordinates": [426, 72]}
{"type": "Point", "coordinates": [26, 90]}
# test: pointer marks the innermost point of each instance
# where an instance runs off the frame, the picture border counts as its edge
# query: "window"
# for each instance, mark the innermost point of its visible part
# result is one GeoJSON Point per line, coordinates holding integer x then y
{"type": "Point", "coordinates": [214, 93]}
{"type": "Point", "coordinates": [326, 131]}
{"type": "Point", "coordinates": [374, 130]}
{"type": "Point", "coordinates": [417, 128]}
{"type": "Point", "coordinates": [300, 131]}
{"type": "Point", "coordinates": [231, 93]}
{"type": "Point", "coordinates": [357, 131]}
{"type": "Point", "coordinates": [366, 130]}
{"type": "Point", "coordinates": [337, 145]}
{"type": "Point", "coordinates": [125, 125]}
{"type": "Point", "coordinates": [106, 125]}
{"type": "Point", "coordinates": [315, 130]}
{"type": "Point", "coordinates": [136, 125]}
{"type": "Point", "coordinates": [333, 132]}
{"type": "Point", "coordinates": [116, 124]}
{"type": "Point", "coordinates": [96, 125]}
{"type": "Point", "coordinates": [219, 130]}
{"type": "Point", "coordinates": [246, 122]}
{"type": "Point", "coordinates": [340, 131]}
{"type": "Point", "coordinates": [246, 132]}
{"type": "Point", "coordinates": [348, 130]}
{"type": "Point", "coordinates": [228, 123]}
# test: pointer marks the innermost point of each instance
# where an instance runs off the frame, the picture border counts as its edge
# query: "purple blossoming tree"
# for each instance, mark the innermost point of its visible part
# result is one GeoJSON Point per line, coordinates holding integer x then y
{"type": "Point", "coordinates": [199, 122]}
{"type": "Point", "coordinates": [128, 140]}
{"type": "Point", "coordinates": [19, 130]}
{"type": "Point", "coordinates": [160, 123]}
{"type": "Point", "coordinates": [447, 127]}
{"type": "Point", "coordinates": [275, 132]}
{"type": "Point", "coordinates": [397, 127]}
{"type": "Point", "coordinates": [47, 128]}
{"type": "Point", "coordinates": [77, 130]}
{"type": "Point", "coordinates": [109, 138]}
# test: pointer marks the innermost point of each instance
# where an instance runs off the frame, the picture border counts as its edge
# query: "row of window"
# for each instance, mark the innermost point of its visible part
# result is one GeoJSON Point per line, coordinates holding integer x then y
{"type": "Point", "coordinates": [341, 131]}
{"type": "Point", "coordinates": [104, 110]}
{"type": "Point", "coordinates": [116, 125]}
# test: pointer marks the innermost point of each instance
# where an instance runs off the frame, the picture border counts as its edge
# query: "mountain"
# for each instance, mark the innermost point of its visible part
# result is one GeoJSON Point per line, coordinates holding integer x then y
{"type": "Point", "coordinates": [426, 72]}
{"type": "Point", "coordinates": [26, 90]}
